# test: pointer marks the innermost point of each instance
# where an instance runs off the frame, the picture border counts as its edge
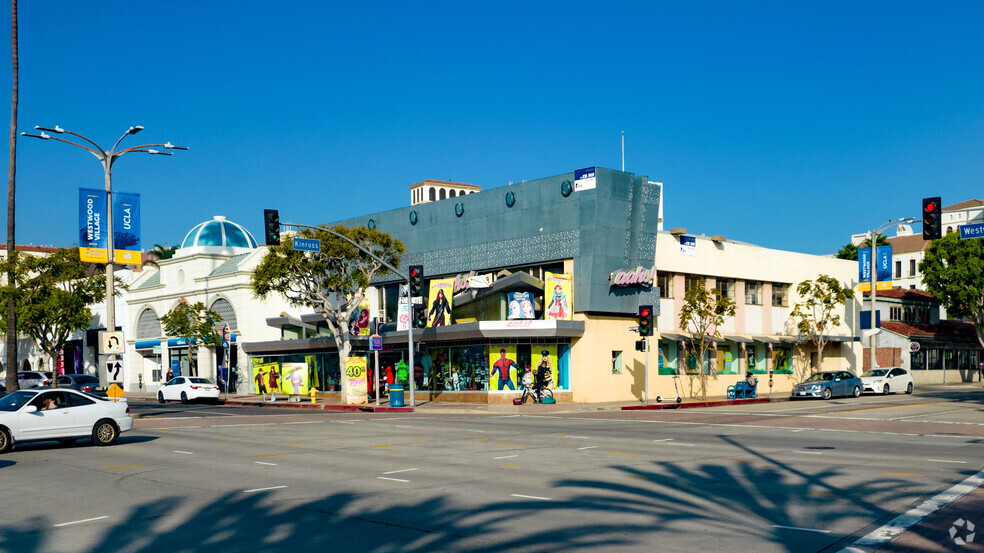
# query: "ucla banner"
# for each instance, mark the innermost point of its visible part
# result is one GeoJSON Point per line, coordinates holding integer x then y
{"type": "Point", "coordinates": [126, 228]}
{"type": "Point", "coordinates": [92, 225]}
{"type": "Point", "coordinates": [883, 268]}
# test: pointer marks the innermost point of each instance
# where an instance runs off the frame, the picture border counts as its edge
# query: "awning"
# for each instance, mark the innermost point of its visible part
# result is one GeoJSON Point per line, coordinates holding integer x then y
{"type": "Point", "coordinates": [281, 322]}
{"type": "Point", "coordinates": [737, 338]}
{"type": "Point", "coordinates": [146, 344]}
{"type": "Point", "coordinates": [675, 336]}
{"type": "Point", "coordinates": [765, 339]}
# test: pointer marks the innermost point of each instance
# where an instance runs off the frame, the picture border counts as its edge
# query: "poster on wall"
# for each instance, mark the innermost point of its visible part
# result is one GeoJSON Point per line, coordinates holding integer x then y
{"type": "Point", "coordinates": [545, 365]}
{"type": "Point", "coordinates": [295, 378]}
{"type": "Point", "coordinates": [266, 378]}
{"type": "Point", "coordinates": [359, 319]}
{"type": "Point", "coordinates": [403, 314]}
{"type": "Point", "coordinates": [439, 312]}
{"type": "Point", "coordinates": [356, 385]}
{"type": "Point", "coordinates": [520, 305]}
{"type": "Point", "coordinates": [503, 369]}
{"type": "Point", "coordinates": [557, 293]}
{"type": "Point", "coordinates": [314, 379]}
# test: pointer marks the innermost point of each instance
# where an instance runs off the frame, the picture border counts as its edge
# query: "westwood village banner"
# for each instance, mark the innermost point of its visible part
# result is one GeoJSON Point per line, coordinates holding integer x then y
{"type": "Point", "coordinates": [92, 226]}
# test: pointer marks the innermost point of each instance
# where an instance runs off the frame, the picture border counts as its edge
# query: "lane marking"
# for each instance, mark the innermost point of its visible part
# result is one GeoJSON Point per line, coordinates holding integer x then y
{"type": "Point", "coordinates": [271, 455]}
{"type": "Point", "coordinates": [902, 474]}
{"type": "Point", "coordinates": [220, 436]}
{"type": "Point", "coordinates": [664, 440]}
{"type": "Point", "coordinates": [509, 465]}
{"type": "Point", "coordinates": [801, 529]}
{"type": "Point", "coordinates": [748, 463]}
{"type": "Point", "coordinates": [401, 470]}
{"type": "Point", "coordinates": [910, 518]}
{"type": "Point", "coordinates": [587, 447]}
{"type": "Point", "coordinates": [402, 426]}
{"type": "Point", "coordinates": [264, 489]}
{"type": "Point", "coordinates": [510, 445]}
{"type": "Point", "coordinates": [392, 479]}
{"type": "Point", "coordinates": [375, 446]}
{"type": "Point", "coordinates": [478, 439]}
{"type": "Point", "coordinates": [579, 437]}
{"type": "Point", "coordinates": [80, 521]}
{"type": "Point", "coordinates": [268, 464]}
{"type": "Point", "coordinates": [124, 467]}
{"type": "Point", "coordinates": [809, 452]}
{"type": "Point", "coordinates": [412, 437]}
{"type": "Point", "coordinates": [478, 431]}
{"type": "Point", "coordinates": [293, 443]}
{"type": "Point", "coordinates": [946, 461]}
{"type": "Point", "coordinates": [680, 443]}
{"type": "Point", "coordinates": [559, 433]}
{"type": "Point", "coordinates": [334, 431]}
{"type": "Point", "coordinates": [530, 497]}
{"type": "Point", "coordinates": [620, 453]}
{"type": "Point", "coordinates": [879, 408]}
{"type": "Point", "coordinates": [505, 457]}
{"type": "Point", "coordinates": [702, 427]}
{"type": "Point", "coordinates": [386, 453]}
{"type": "Point", "coordinates": [184, 452]}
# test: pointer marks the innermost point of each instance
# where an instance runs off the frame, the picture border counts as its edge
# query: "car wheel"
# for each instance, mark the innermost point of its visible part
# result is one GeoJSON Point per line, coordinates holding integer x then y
{"type": "Point", "coordinates": [160, 397]}
{"type": "Point", "coordinates": [857, 391]}
{"type": "Point", "coordinates": [6, 442]}
{"type": "Point", "coordinates": [885, 389]}
{"type": "Point", "coordinates": [184, 397]}
{"type": "Point", "coordinates": [67, 441]}
{"type": "Point", "coordinates": [105, 433]}
{"type": "Point", "coordinates": [908, 389]}
{"type": "Point", "coordinates": [826, 394]}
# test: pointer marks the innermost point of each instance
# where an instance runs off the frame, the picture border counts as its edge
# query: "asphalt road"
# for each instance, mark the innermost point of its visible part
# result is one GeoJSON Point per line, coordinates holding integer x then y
{"type": "Point", "coordinates": [786, 476]}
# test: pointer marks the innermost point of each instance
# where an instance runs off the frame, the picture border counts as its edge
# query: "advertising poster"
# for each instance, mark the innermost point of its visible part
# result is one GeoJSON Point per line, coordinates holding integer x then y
{"type": "Point", "coordinates": [557, 291]}
{"type": "Point", "coordinates": [688, 245]}
{"type": "Point", "coordinates": [359, 320]}
{"type": "Point", "coordinates": [503, 369]}
{"type": "Point", "coordinates": [520, 305]}
{"type": "Point", "coordinates": [584, 179]}
{"type": "Point", "coordinates": [266, 378]}
{"type": "Point", "coordinates": [92, 226]}
{"type": "Point", "coordinates": [314, 379]}
{"type": "Point", "coordinates": [439, 311]}
{"type": "Point", "coordinates": [295, 378]}
{"type": "Point", "coordinates": [403, 314]}
{"type": "Point", "coordinates": [356, 385]}
{"type": "Point", "coordinates": [126, 228]}
{"type": "Point", "coordinates": [545, 364]}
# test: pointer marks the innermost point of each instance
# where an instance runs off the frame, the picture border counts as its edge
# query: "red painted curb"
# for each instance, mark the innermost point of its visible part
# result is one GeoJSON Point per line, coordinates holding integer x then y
{"type": "Point", "coordinates": [688, 405]}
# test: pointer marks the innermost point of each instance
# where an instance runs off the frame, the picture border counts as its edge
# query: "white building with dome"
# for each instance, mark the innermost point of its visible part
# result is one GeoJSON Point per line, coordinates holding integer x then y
{"type": "Point", "coordinates": [213, 265]}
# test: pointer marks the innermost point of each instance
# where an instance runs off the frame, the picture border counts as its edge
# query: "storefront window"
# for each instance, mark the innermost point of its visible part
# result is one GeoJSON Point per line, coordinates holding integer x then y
{"type": "Point", "coordinates": [667, 357]}
{"type": "Point", "coordinates": [917, 361]}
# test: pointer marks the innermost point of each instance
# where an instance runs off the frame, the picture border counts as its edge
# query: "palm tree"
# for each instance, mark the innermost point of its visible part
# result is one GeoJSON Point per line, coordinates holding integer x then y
{"type": "Point", "coordinates": [11, 171]}
{"type": "Point", "coordinates": [159, 253]}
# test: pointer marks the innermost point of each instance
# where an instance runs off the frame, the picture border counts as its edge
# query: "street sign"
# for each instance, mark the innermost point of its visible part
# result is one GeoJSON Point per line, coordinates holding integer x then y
{"type": "Point", "coordinates": [972, 231]}
{"type": "Point", "coordinates": [307, 244]}
{"type": "Point", "coordinates": [114, 392]}
{"type": "Point", "coordinates": [111, 343]}
{"type": "Point", "coordinates": [417, 300]}
{"type": "Point", "coordinates": [375, 343]}
{"type": "Point", "coordinates": [114, 370]}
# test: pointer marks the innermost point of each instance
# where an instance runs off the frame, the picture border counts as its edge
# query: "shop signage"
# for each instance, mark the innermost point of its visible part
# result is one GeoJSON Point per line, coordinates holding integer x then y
{"type": "Point", "coordinates": [972, 231]}
{"type": "Point", "coordinates": [633, 277]}
{"type": "Point", "coordinates": [469, 280]}
{"type": "Point", "coordinates": [688, 245]}
{"type": "Point", "coordinates": [584, 179]}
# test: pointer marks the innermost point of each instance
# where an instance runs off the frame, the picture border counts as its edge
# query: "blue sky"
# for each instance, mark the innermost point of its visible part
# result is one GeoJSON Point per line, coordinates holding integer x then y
{"type": "Point", "coordinates": [786, 124]}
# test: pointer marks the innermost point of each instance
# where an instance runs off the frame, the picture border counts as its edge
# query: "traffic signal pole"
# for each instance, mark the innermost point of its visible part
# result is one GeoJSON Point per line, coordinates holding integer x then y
{"type": "Point", "coordinates": [388, 266]}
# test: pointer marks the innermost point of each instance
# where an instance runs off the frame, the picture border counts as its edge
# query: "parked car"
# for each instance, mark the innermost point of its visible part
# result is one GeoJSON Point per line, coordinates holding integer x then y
{"type": "Point", "coordinates": [887, 380]}
{"type": "Point", "coordinates": [828, 384]}
{"type": "Point", "coordinates": [188, 388]}
{"type": "Point", "coordinates": [82, 383]}
{"type": "Point", "coordinates": [26, 417]}
{"type": "Point", "coordinates": [33, 379]}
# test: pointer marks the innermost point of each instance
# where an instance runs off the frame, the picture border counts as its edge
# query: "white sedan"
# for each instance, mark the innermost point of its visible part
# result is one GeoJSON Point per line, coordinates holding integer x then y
{"type": "Point", "coordinates": [63, 415]}
{"type": "Point", "coordinates": [887, 380]}
{"type": "Point", "coordinates": [188, 388]}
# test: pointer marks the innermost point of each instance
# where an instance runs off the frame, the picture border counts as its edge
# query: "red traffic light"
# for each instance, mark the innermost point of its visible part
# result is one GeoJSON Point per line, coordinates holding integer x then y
{"type": "Point", "coordinates": [644, 312]}
{"type": "Point", "coordinates": [414, 271]}
{"type": "Point", "coordinates": [930, 206]}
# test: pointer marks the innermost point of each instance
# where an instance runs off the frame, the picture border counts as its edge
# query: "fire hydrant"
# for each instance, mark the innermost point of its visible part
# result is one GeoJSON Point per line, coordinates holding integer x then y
{"type": "Point", "coordinates": [314, 395]}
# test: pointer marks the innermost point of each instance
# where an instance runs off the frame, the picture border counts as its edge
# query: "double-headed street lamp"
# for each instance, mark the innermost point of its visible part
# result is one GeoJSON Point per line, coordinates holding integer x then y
{"type": "Point", "coordinates": [107, 158]}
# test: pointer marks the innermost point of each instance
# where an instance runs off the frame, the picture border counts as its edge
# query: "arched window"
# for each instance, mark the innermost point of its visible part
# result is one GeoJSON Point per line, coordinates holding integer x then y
{"type": "Point", "coordinates": [443, 194]}
{"type": "Point", "coordinates": [148, 325]}
{"type": "Point", "coordinates": [226, 313]}
{"type": "Point", "coordinates": [432, 197]}
{"type": "Point", "coordinates": [26, 365]}
{"type": "Point", "coordinates": [451, 194]}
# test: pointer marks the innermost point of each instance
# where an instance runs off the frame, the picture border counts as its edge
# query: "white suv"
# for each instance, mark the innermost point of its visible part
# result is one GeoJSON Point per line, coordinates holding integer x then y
{"type": "Point", "coordinates": [33, 379]}
{"type": "Point", "coordinates": [887, 380]}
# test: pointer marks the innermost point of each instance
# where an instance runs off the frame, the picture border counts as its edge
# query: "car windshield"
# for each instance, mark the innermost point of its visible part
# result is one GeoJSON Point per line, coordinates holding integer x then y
{"type": "Point", "coordinates": [16, 400]}
{"type": "Point", "coordinates": [820, 377]}
{"type": "Point", "coordinates": [199, 380]}
{"type": "Point", "coordinates": [876, 372]}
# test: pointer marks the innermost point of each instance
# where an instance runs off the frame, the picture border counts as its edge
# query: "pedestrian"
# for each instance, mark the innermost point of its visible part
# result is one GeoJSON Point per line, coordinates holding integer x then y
{"type": "Point", "coordinates": [170, 375]}
{"type": "Point", "coordinates": [752, 381]}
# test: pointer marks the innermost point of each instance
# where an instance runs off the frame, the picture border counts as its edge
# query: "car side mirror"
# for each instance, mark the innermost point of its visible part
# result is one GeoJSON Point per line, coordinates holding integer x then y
{"type": "Point", "coordinates": [31, 409]}
{"type": "Point", "coordinates": [837, 379]}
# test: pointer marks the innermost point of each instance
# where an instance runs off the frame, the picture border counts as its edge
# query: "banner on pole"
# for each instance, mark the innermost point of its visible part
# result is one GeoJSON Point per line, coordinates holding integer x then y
{"type": "Point", "coordinates": [92, 225]}
{"type": "Point", "coordinates": [126, 228]}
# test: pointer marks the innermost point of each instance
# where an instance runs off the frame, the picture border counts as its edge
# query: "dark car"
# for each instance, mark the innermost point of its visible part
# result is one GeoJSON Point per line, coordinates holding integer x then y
{"type": "Point", "coordinates": [828, 384]}
{"type": "Point", "coordinates": [82, 383]}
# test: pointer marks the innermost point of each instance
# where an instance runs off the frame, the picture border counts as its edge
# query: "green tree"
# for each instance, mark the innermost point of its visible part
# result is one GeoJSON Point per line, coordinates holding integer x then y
{"type": "Point", "coordinates": [817, 313]}
{"type": "Point", "coordinates": [332, 281]}
{"type": "Point", "coordinates": [53, 294]}
{"type": "Point", "coordinates": [702, 313]}
{"type": "Point", "coordinates": [196, 324]}
{"type": "Point", "coordinates": [953, 272]}
{"type": "Point", "coordinates": [850, 251]}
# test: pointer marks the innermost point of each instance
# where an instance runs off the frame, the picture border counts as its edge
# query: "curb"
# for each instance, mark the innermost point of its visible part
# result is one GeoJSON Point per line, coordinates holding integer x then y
{"type": "Point", "coordinates": [696, 404]}
{"type": "Point", "coordinates": [323, 407]}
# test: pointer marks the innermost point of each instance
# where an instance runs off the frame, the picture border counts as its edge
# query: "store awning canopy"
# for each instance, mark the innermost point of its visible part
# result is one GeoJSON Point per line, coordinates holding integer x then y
{"type": "Point", "coordinates": [281, 322]}
{"type": "Point", "coordinates": [738, 338]}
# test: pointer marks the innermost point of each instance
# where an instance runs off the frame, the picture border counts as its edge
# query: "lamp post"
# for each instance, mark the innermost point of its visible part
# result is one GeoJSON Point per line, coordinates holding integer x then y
{"type": "Point", "coordinates": [107, 158]}
{"type": "Point", "coordinates": [873, 279]}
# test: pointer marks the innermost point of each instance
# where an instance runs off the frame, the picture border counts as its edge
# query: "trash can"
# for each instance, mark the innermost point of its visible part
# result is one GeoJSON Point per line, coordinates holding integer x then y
{"type": "Point", "coordinates": [396, 395]}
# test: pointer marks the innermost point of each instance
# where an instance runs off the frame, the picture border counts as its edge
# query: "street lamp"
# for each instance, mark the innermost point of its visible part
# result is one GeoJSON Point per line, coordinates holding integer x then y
{"type": "Point", "coordinates": [873, 279]}
{"type": "Point", "coordinates": [107, 158]}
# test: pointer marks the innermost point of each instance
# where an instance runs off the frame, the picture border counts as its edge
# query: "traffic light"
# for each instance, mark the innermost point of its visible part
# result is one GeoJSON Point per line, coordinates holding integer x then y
{"type": "Point", "coordinates": [416, 280]}
{"type": "Point", "coordinates": [271, 226]}
{"type": "Point", "coordinates": [419, 316]}
{"type": "Point", "coordinates": [640, 345]}
{"type": "Point", "coordinates": [932, 218]}
{"type": "Point", "coordinates": [645, 320]}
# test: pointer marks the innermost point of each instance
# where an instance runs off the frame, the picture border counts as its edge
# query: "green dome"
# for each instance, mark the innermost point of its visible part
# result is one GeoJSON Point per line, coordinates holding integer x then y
{"type": "Point", "coordinates": [219, 233]}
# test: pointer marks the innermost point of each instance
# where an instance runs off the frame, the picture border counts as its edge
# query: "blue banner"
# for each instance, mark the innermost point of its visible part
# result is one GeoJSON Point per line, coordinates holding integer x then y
{"type": "Point", "coordinates": [92, 225]}
{"type": "Point", "coordinates": [126, 228]}
{"type": "Point", "coordinates": [883, 264]}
